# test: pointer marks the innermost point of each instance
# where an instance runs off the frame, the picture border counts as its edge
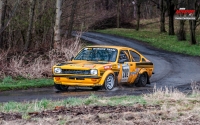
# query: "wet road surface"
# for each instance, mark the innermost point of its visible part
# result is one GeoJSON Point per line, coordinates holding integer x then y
{"type": "Point", "coordinates": [171, 70]}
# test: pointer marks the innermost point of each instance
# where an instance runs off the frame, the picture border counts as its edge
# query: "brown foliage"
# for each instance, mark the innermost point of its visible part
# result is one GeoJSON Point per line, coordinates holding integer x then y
{"type": "Point", "coordinates": [38, 63]}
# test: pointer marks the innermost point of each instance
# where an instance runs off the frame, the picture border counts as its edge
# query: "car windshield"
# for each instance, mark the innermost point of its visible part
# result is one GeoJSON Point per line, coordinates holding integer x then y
{"type": "Point", "coordinates": [97, 54]}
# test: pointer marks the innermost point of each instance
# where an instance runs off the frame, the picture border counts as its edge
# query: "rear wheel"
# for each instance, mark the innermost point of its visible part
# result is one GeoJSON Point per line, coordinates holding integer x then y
{"type": "Point", "coordinates": [61, 87]}
{"type": "Point", "coordinates": [109, 83]}
{"type": "Point", "coordinates": [143, 79]}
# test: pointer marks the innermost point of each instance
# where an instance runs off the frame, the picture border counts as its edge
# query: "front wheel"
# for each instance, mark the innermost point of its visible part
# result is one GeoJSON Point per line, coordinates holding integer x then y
{"type": "Point", "coordinates": [143, 79]}
{"type": "Point", "coordinates": [61, 87]}
{"type": "Point", "coordinates": [109, 83]}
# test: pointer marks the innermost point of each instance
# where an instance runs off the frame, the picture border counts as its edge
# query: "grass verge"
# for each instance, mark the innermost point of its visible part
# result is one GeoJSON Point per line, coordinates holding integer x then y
{"type": "Point", "coordinates": [164, 106]}
{"type": "Point", "coordinates": [8, 83]}
{"type": "Point", "coordinates": [40, 105]}
{"type": "Point", "coordinates": [150, 33]}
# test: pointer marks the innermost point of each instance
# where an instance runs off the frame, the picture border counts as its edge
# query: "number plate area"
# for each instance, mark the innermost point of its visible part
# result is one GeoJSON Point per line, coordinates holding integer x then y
{"type": "Point", "coordinates": [125, 72]}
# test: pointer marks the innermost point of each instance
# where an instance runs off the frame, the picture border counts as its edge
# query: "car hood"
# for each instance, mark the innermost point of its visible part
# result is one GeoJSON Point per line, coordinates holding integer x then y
{"type": "Point", "coordinates": [82, 64]}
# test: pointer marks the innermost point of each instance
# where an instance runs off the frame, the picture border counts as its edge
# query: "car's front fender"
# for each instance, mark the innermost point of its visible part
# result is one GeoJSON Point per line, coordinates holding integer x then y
{"type": "Point", "coordinates": [106, 73]}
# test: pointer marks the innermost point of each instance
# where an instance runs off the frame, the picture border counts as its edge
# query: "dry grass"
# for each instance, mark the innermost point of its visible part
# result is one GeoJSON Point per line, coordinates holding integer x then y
{"type": "Point", "coordinates": [35, 69]}
{"type": "Point", "coordinates": [195, 87]}
{"type": "Point", "coordinates": [164, 106]}
{"type": "Point", "coordinates": [3, 56]}
{"type": "Point", "coordinates": [34, 64]}
{"type": "Point", "coordinates": [176, 107]}
{"type": "Point", "coordinates": [165, 93]}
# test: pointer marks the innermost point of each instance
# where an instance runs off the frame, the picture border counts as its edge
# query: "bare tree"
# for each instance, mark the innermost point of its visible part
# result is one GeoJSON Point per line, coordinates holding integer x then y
{"type": "Point", "coordinates": [107, 4]}
{"type": "Point", "coordinates": [11, 15]}
{"type": "Point", "coordinates": [162, 16]}
{"type": "Point", "coordinates": [171, 7]}
{"type": "Point", "coordinates": [161, 5]}
{"type": "Point", "coordinates": [1, 13]}
{"type": "Point", "coordinates": [181, 34]}
{"type": "Point", "coordinates": [57, 37]}
{"type": "Point", "coordinates": [194, 23]}
{"type": "Point", "coordinates": [138, 5]}
{"type": "Point", "coordinates": [72, 15]}
{"type": "Point", "coordinates": [30, 26]}
{"type": "Point", "coordinates": [181, 31]}
{"type": "Point", "coordinates": [119, 7]}
{"type": "Point", "coordinates": [4, 24]}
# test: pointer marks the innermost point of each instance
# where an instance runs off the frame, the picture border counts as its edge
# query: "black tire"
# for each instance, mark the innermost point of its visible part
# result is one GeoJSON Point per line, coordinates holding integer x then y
{"type": "Point", "coordinates": [61, 87]}
{"type": "Point", "coordinates": [143, 79]}
{"type": "Point", "coordinates": [109, 82]}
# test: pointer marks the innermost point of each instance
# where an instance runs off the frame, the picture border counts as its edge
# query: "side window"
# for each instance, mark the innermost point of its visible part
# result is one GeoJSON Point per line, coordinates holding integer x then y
{"type": "Point", "coordinates": [136, 57]}
{"type": "Point", "coordinates": [124, 56]}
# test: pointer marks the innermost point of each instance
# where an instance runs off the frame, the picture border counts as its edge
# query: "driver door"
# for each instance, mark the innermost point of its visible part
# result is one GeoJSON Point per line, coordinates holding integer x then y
{"type": "Point", "coordinates": [126, 67]}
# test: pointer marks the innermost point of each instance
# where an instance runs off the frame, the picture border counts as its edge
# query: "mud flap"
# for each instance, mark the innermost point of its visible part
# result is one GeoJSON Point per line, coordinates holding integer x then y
{"type": "Point", "coordinates": [137, 79]}
{"type": "Point", "coordinates": [148, 81]}
{"type": "Point", "coordinates": [116, 78]}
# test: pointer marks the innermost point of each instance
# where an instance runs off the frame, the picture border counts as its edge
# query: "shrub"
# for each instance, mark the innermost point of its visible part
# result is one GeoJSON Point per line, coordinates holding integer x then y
{"type": "Point", "coordinates": [34, 64]}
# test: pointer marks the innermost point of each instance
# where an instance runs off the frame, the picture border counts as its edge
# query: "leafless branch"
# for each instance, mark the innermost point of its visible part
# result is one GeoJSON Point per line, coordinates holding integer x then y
{"type": "Point", "coordinates": [158, 5]}
{"type": "Point", "coordinates": [154, 2]}
{"type": "Point", "coordinates": [12, 14]}
{"type": "Point", "coordinates": [198, 23]}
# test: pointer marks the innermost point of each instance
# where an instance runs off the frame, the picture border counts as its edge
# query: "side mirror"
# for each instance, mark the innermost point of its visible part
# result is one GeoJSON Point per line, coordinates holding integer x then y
{"type": "Point", "coordinates": [72, 58]}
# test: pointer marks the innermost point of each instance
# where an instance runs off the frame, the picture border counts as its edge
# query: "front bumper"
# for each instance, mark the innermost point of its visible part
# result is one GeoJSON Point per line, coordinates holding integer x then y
{"type": "Point", "coordinates": [77, 80]}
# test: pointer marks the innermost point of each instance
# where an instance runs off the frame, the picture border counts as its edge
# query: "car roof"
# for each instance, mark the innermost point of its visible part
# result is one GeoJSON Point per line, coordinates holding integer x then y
{"type": "Point", "coordinates": [109, 46]}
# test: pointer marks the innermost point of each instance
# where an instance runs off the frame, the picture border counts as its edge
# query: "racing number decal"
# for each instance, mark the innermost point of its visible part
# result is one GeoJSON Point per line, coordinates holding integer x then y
{"type": "Point", "coordinates": [125, 73]}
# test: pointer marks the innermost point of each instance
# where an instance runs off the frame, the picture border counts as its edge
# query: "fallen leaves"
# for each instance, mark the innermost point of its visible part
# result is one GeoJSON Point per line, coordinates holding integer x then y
{"type": "Point", "coordinates": [10, 116]}
{"type": "Point", "coordinates": [79, 110]}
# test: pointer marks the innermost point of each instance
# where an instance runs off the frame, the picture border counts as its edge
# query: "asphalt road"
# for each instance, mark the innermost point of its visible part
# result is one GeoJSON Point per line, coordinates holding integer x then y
{"type": "Point", "coordinates": [171, 70]}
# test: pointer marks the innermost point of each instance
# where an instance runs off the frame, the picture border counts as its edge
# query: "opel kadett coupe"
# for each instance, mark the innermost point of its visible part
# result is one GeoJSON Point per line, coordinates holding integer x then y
{"type": "Point", "coordinates": [103, 67]}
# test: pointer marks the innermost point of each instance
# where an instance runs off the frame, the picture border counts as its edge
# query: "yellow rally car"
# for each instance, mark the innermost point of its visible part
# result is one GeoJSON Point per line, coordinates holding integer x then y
{"type": "Point", "coordinates": [103, 67]}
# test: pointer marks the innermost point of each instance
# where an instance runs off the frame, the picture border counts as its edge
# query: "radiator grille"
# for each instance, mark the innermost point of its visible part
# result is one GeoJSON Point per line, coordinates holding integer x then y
{"type": "Point", "coordinates": [80, 72]}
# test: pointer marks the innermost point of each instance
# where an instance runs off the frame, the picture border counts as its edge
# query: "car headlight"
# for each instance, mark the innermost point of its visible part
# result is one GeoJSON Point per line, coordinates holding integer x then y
{"type": "Point", "coordinates": [58, 70]}
{"type": "Point", "coordinates": [93, 72]}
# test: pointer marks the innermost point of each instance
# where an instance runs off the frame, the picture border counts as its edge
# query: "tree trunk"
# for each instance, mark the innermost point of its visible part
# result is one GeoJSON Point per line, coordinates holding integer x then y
{"type": "Point", "coordinates": [1, 13]}
{"type": "Point", "coordinates": [107, 4]}
{"type": "Point", "coordinates": [135, 11]}
{"type": "Point", "coordinates": [3, 23]}
{"type": "Point", "coordinates": [192, 32]}
{"type": "Point", "coordinates": [6, 24]}
{"type": "Point", "coordinates": [171, 12]}
{"type": "Point", "coordinates": [162, 17]}
{"type": "Point", "coordinates": [30, 26]}
{"type": "Point", "coordinates": [71, 21]}
{"type": "Point", "coordinates": [194, 23]}
{"type": "Point", "coordinates": [138, 17]}
{"type": "Point", "coordinates": [181, 32]}
{"type": "Point", "coordinates": [119, 2]}
{"type": "Point", "coordinates": [171, 18]}
{"type": "Point", "coordinates": [171, 25]}
{"type": "Point", "coordinates": [57, 37]}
